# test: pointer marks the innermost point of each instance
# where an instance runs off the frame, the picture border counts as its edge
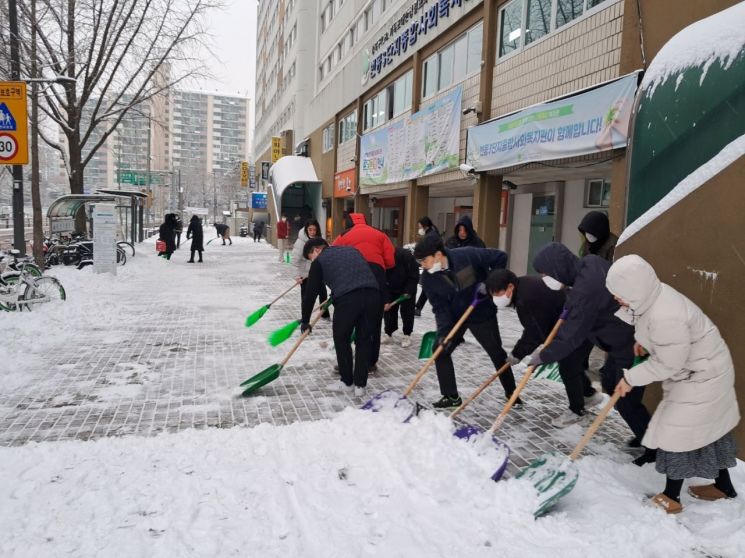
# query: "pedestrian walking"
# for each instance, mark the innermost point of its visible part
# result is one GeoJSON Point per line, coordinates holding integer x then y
{"type": "Point", "coordinates": [283, 231]}
{"type": "Point", "coordinates": [258, 230]}
{"type": "Point", "coordinates": [356, 297]}
{"type": "Point", "coordinates": [302, 265]}
{"type": "Point", "coordinates": [196, 234]}
{"type": "Point", "coordinates": [538, 309]}
{"type": "Point", "coordinates": [402, 278]}
{"type": "Point", "coordinates": [425, 227]}
{"type": "Point", "coordinates": [464, 235]}
{"type": "Point", "coordinates": [378, 251]}
{"type": "Point", "coordinates": [596, 236]}
{"type": "Point", "coordinates": [691, 429]}
{"type": "Point", "coordinates": [223, 231]}
{"type": "Point", "coordinates": [452, 280]}
{"type": "Point", "coordinates": [167, 234]}
{"type": "Point", "coordinates": [590, 314]}
{"type": "Point", "coordinates": [179, 228]}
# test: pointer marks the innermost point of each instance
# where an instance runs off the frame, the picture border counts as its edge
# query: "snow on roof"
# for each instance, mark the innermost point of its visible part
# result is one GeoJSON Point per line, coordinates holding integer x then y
{"type": "Point", "coordinates": [717, 37]}
{"type": "Point", "coordinates": [731, 152]}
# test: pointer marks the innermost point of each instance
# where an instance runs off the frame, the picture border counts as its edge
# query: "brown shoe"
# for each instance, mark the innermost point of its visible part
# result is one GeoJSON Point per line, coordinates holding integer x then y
{"type": "Point", "coordinates": [708, 492]}
{"type": "Point", "coordinates": [667, 504]}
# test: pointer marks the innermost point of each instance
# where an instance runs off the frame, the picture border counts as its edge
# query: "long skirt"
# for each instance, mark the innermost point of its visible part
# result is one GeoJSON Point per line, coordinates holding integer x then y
{"type": "Point", "coordinates": [703, 462]}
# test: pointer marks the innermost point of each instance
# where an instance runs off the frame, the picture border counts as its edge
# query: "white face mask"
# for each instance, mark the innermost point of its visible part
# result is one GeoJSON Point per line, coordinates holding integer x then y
{"type": "Point", "coordinates": [437, 266]}
{"type": "Point", "coordinates": [421, 231]}
{"type": "Point", "coordinates": [552, 283]}
{"type": "Point", "coordinates": [591, 237]}
{"type": "Point", "coordinates": [502, 301]}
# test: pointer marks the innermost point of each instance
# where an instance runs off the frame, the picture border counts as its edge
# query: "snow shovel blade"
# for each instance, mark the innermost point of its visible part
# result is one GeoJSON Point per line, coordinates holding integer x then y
{"type": "Point", "coordinates": [391, 401]}
{"type": "Point", "coordinates": [283, 334]}
{"type": "Point", "coordinates": [256, 316]}
{"type": "Point", "coordinates": [261, 379]}
{"type": "Point", "coordinates": [427, 347]}
{"type": "Point", "coordinates": [553, 475]}
{"type": "Point", "coordinates": [473, 434]}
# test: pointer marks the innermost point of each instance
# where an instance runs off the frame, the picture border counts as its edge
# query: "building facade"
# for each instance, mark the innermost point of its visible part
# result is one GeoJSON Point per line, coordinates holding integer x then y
{"type": "Point", "coordinates": [384, 69]}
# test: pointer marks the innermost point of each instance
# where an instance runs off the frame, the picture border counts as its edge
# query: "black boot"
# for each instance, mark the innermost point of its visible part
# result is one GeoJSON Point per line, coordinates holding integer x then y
{"type": "Point", "coordinates": [649, 456]}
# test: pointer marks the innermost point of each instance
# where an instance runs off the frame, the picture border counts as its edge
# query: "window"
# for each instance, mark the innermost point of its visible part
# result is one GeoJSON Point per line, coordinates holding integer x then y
{"type": "Point", "coordinates": [454, 62]}
{"type": "Point", "coordinates": [400, 93]}
{"type": "Point", "coordinates": [597, 193]}
{"type": "Point", "coordinates": [348, 127]}
{"type": "Point", "coordinates": [375, 111]}
{"type": "Point", "coordinates": [328, 138]}
{"type": "Point", "coordinates": [351, 37]}
{"type": "Point", "coordinates": [339, 51]}
{"type": "Point", "coordinates": [523, 21]}
{"type": "Point", "coordinates": [369, 18]}
{"type": "Point", "coordinates": [321, 73]}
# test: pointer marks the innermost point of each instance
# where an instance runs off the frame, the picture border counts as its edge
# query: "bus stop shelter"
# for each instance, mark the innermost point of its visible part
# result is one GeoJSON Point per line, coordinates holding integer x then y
{"type": "Point", "coordinates": [62, 211]}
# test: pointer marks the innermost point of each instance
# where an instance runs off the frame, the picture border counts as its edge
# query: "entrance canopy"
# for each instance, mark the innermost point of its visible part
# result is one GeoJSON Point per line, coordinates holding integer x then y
{"type": "Point", "coordinates": [292, 170]}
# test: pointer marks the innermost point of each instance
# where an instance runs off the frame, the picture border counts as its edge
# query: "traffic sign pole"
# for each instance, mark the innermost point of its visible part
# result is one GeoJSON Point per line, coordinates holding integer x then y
{"type": "Point", "coordinates": [19, 238]}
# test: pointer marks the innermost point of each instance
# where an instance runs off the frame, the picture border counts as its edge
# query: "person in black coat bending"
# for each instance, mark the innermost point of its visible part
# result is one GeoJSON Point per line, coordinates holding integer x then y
{"type": "Point", "coordinates": [402, 280]}
{"type": "Point", "coordinates": [452, 280]}
{"type": "Point", "coordinates": [591, 315]}
{"type": "Point", "coordinates": [167, 233]}
{"type": "Point", "coordinates": [356, 298]}
{"type": "Point", "coordinates": [538, 309]}
{"type": "Point", "coordinates": [196, 234]}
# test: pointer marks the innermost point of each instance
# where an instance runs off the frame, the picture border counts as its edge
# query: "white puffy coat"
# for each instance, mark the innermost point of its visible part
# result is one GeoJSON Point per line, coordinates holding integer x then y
{"type": "Point", "coordinates": [302, 266]}
{"type": "Point", "coordinates": [686, 353]}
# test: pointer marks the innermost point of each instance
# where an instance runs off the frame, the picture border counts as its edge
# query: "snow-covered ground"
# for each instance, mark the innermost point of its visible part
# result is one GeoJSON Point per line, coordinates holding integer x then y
{"type": "Point", "coordinates": [357, 484]}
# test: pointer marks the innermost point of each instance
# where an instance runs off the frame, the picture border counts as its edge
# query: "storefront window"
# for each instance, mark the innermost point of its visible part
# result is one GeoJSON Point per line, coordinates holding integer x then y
{"type": "Point", "coordinates": [597, 193]}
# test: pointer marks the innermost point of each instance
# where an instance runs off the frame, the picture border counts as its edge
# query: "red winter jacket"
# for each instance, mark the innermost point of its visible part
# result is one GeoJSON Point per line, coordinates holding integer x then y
{"type": "Point", "coordinates": [373, 244]}
{"type": "Point", "coordinates": [282, 229]}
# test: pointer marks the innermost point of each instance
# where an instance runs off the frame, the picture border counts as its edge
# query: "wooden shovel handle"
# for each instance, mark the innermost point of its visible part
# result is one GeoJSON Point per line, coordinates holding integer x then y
{"type": "Point", "coordinates": [283, 294]}
{"type": "Point", "coordinates": [504, 367]}
{"type": "Point", "coordinates": [482, 387]}
{"type": "Point", "coordinates": [303, 336]}
{"type": "Point", "coordinates": [439, 350]}
{"type": "Point", "coordinates": [595, 425]}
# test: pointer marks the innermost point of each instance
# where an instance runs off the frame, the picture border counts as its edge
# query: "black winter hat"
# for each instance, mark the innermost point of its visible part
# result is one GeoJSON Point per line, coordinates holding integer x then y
{"type": "Point", "coordinates": [427, 246]}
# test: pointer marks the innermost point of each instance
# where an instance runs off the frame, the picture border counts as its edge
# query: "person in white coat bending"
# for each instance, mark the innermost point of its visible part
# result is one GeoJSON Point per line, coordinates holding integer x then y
{"type": "Point", "coordinates": [692, 426]}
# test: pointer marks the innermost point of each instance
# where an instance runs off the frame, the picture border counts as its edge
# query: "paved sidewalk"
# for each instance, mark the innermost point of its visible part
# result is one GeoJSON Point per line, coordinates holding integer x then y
{"type": "Point", "coordinates": [162, 347]}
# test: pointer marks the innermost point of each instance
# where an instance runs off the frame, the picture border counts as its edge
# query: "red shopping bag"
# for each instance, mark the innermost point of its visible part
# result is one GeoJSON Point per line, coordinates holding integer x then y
{"type": "Point", "coordinates": [160, 245]}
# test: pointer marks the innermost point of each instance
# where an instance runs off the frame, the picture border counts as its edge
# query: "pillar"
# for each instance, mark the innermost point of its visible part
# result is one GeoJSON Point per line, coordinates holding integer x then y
{"type": "Point", "coordinates": [337, 216]}
{"type": "Point", "coordinates": [417, 206]}
{"type": "Point", "coordinates": [617, 208]}
{"type": "Point", "coordinates": [487, 201]}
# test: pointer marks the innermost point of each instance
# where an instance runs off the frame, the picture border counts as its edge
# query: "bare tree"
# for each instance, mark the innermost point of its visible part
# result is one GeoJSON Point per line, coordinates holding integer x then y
{"type": "Point", "coordinates": [110, 58]}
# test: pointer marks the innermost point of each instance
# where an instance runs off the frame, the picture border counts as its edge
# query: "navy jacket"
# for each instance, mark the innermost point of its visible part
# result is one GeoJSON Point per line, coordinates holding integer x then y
{"type": "Point", "coordinates": [343, 269]}
{"type": "Point", "coordinates": [590, 307]}
{"type": "Point", "coordinates": [538, 309]}
{"type": "Point", "coordinates": [451, 291]}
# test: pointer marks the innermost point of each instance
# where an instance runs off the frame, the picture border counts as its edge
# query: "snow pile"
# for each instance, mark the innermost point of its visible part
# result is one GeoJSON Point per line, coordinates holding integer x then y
{"type": "Point", "coordinates": [361, 484]}
{"type": "Point", "coordinates": [731, 153]}
{"type": "Point", "coordinates": [717, 37]}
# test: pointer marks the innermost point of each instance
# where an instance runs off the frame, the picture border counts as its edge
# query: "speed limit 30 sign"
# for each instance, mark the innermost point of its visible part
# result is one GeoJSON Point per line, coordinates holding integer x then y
{"type": "Point", "coordinates": [13, 123]}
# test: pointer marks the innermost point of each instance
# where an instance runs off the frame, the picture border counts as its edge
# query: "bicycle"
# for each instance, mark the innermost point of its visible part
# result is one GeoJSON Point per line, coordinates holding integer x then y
{"type": "Point", "coordinates": [127, 247]}
{"type": "Point", "coordinates": [12, 268]}
{"type": "Point", "coordinates": [24, 290]}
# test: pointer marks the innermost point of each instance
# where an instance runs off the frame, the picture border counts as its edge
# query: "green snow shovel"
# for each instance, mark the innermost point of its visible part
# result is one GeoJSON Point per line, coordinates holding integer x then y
{"type": "Point", "coordinates": [258, 314]}
{"type": "Point", "coordinates": [272, 373]}
{"type": "Point", "coordinates": [554, 475]}
{"type": "Point", "coordinates": [427, 346]}
{"type": "Point", "coordinates": [279, 336]}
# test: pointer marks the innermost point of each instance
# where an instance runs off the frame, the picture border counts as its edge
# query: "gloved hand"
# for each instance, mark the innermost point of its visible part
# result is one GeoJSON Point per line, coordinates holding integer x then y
{"type": "Point", "coordinates": [513, 360]}
{"type": "Point", "coordinates": [535, 357]}
{"type": "Point", "coordinates": [481, 289]}
{"type": "Point", "coordinates": [305, 326]}
{"type": "Point", "coordinates": [446, 346]}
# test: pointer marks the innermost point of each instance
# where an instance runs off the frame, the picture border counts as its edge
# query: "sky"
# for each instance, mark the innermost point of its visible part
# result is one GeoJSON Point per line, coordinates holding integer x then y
{"type": "Point", "coordinates": [233, 43]}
